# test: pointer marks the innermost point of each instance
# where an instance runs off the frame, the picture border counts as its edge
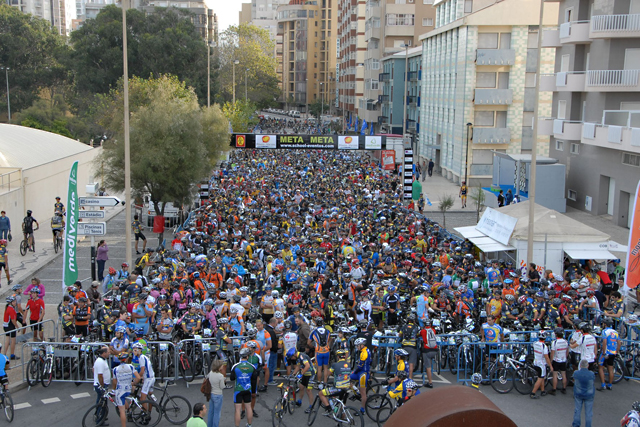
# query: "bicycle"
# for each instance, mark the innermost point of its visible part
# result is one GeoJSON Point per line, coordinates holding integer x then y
{"type": "Point", "coordinates": [24, 247]}
{"type": "Point", "coordinates": [97, 414]}
{"type": "Point", "coordinates": [172, 407]}
{"type": "Point", "coordinates": [286, 402]}
{"type": "Point", "coordinates": [185, 364]}
{"type": "Point", "coordinates": [40, 367]}
{"type": "Point", "coordinates": [6, 403]}
{"type": "Point", "coordinates": [57, 241]}
{"type": "Point", "coordinates": [340, 413]}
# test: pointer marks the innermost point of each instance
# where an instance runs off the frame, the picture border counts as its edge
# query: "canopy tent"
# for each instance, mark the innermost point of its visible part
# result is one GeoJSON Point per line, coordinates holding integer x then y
{"type": "Point", "coordinates": [482, 241]}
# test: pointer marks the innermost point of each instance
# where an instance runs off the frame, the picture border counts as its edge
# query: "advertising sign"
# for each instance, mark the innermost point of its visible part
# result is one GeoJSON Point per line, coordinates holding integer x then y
{"type": "Point", "coordinates": [70, 270]}
{"type": "Point", "coordinates": [307, 142]}
{"type": "Point", "coordinates": [388, 159]}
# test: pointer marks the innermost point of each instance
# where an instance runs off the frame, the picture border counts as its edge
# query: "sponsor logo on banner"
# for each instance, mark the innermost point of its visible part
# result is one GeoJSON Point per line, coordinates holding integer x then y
{"type": "Point", "coordinates": [266, 141]}
{"type": "Point", "coordinates": [388, 159]}
{"type": "Point", "coordinates": [372, 143]}
{"type": "Point", "coordinates": [241, 141]}
{"type": "Point", "coordinates": [632, 275]}
{"type": "Point", "coordinates": [70, 269]}
{"type": "Point", "coordinates": [348, 142]}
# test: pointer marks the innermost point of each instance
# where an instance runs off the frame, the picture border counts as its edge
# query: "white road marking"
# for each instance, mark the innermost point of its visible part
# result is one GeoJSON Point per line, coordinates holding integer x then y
{"type": "Point", "coordinates": [51, 400]}
{"type": "Point", "coordinates": [21, 405]}
{"type": "Point", "coordinates": [442, 379]}
{"type": "Point", "coordinates": [80, 395]}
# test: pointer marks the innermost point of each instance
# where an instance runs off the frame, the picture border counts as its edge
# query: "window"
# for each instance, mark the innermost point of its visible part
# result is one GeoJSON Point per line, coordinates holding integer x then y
{"type": "Point", "coordinates": [483, 118]}
{"type": "Point", "coordinates": [468, 6]}
{"type": "Point", "coordinates": [505, 40]}
{"type": "Point", "coordinates": [630, 159]}
{"type": "Point", "coordinates": [391, 19]}
{"type": "Point", "coordinates": [486, 80]}
{"type": "Point", "coordinates": [527, 119]}
{"type": "Point", "coordinates": [559, 145]}
{"type": "Point", "coordinates": [427, 22]}
{"type": "Point", "coordinates": [575, 149]}
{"type": "Point", "coordinates": [530, 80]}
{"type": "Point", "coordinates": [572, 195]}
{"type": "Point", "coordinates": [501, 119]}
{"type": "Point", "coordinates": [375, 85]}
{"type": "Point", "coordinates": [488, 41]}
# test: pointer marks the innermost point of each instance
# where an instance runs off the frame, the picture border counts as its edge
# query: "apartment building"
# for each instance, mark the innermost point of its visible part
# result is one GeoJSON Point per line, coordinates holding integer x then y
{"type": "Point", "coordinates": [263, 14]}
{"type": "Point", "coordinates": [60, 13]}
{"type": "Point", "coordinates": [478, 84]}
{"type": "Point", "coordinates": [203, 17]}
{"type": "Point", "coordinates": [391, 26]}
{"type": "Point", "coordinates": [351, 49]}
{"type": "Point", "coordinates": [306, 53]}
{"type": "Point", "coordinates": [595, 120]}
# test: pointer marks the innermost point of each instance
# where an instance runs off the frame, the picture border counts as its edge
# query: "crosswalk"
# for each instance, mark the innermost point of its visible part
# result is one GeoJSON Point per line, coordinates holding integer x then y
{"type": "Point", "coordinates": [51, 400]}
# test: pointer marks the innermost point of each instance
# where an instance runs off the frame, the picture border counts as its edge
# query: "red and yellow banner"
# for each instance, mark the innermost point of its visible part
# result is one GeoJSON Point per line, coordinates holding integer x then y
{"type": "Point", "coordinates": [632, 276]}
{"type": "Point", "coordinates": [241, 141]}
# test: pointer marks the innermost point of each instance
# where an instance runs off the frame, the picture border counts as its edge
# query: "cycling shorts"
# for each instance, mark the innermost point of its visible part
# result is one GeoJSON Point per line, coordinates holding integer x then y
{"type": "Point", "coordinates": [361, 377]}
{"type": "Point", "coordinates": [334, 392]}
{"type": "Point", "coordinates": [35, 327]}
{"type": "Point", "coordinates": [541, 371]}
{"type": "Point", "coordinates": [322, 359]}
{"type": "Point", "coordinates": [607, 360]}
{"type": "Point", "coordinates": [147, 385]}
{"type": "Point", "coordinates": [305, 381]}
{"type": "Point", "coordinates": [559, 366]}
{"type": "Point", "coordinates": [140, 236]}
{"type": "Point", "coordinates": [121, 396]}
{"type": "Point", "coordinates": [243, 396]}
{"type": "Point", "coordinates": [10, 330]}
{"type": "Point", "coordinates": [413, 355]}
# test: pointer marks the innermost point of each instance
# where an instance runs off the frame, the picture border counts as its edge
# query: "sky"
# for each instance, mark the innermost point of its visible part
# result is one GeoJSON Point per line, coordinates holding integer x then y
{"type": "Point", "coordinates": [227, 11]}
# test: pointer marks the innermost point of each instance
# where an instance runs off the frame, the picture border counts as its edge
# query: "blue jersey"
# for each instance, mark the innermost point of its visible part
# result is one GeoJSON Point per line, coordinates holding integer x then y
{"type": "Point", "coordinates": [3, 364]}
{"type": "Point", "coordinates": [610, 341]}
{"type": "Point", "coordinates": [241, 373]}
{"type": "Point", "coordinates": [364, 361]}
{"type": "Point", "coordinates": [492, 332]}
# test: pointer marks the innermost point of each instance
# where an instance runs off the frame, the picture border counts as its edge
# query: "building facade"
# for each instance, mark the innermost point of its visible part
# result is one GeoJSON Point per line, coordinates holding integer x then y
{"type": "Point", "coordinates": [306, 53]}
{"type": "Point", "coordinates": [351, 47]}
{"type": "Point", "coordinates": [203, 17]}
{"type": "Point", "coordinates": [60, 13]}
{"type": "Point", "coordinates": [478, 84]}
{"type": "Point", "coordinates": [595, 121]}
{"type": "Point", "coordinates": [263, 14]}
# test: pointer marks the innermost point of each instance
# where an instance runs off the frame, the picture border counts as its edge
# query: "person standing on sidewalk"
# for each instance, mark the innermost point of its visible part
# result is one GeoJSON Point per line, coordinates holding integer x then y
{"type": "Point", "coordinates": [463, 194]}
{"type": "Point", "coordinates": [584, 390]}
{"type": "Point", "coordinates": [431, 165]}
{"type": "Point", "coordinates": [101, 258]}
{"type": "Point", "coordinates": [4, 260]}
{"type": "Point", "coordinates": [216, 379]}
{"type": "Point", "coordinates": [423, 169]}
{"type": "Point", "coordinates": [5, 225]}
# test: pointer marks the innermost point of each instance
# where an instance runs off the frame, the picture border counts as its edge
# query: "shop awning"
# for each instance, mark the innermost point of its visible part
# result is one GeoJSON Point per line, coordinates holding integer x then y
{"type": "Point", "coordinates": [590, 254]}
{"type": "Point", "coordinates": [483, 242]}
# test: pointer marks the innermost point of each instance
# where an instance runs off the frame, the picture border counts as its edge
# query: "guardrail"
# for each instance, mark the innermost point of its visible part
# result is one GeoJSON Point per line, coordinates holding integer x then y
{"type": "Point", "coordinates": [53, 335]}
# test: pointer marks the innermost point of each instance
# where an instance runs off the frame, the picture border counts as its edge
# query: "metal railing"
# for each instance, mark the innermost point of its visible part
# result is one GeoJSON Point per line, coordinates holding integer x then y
{"type": "Point", "coordinates": [47, 336]}
{"type": "Point", "coordinates": [623, 78]}
{"type": "Point", "coordinates": [10, 180]}
{"type": "Point", "coordinates": [621, 23]}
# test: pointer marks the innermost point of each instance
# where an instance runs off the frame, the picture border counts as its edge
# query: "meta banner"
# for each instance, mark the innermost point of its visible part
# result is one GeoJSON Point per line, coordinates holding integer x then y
{"type": "Point", "coordinates": [308, 142]}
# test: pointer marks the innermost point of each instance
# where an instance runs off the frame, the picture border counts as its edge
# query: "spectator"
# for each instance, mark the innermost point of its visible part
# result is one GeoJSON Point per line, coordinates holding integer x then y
{"type": "Point", "coordinates": [101, 258]}
{"type": "Point", "coordinates": [431, 165]}
{"type": "Point", "coordinates": [216, 379]}
{"type": "Point", "coordinates": [5, 225]}
{"type": "Point", "coordinates": [500, 199]}
{"type": "Point", "coordinates": [508, 198]}
{"type": "Point", "coordinates": [584, 390]}
{"type": "Point", "coordinates": [199, 412]}
{"type": "Point", "coordinates": [35, 283]}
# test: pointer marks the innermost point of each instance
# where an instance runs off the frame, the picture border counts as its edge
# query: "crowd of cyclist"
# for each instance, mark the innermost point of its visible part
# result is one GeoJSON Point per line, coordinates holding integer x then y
{"type": "Point", "coordinates": [284, 126]}
{"type": "Point", "coordinates": [308, 254]}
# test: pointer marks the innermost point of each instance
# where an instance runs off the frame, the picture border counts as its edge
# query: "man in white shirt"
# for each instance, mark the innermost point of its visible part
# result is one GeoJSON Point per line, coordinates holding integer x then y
{"type": "Point", "coordinates": [101, 375]}
{"type": "Point", "coordinates": [559, 352]}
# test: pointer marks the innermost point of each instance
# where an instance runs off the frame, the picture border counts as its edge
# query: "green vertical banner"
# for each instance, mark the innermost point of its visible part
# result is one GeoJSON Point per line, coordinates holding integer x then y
{"type": "Point", "coordinates": [70, 272]}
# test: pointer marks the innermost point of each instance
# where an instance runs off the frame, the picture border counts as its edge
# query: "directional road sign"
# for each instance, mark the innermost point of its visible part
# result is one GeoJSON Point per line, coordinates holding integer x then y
{"type": "Point", "coordinates": [92, 228]}
{"type": "Point", "coordinates": [90, 214]}
{"type": "Point", "coordinates": [107, 201]}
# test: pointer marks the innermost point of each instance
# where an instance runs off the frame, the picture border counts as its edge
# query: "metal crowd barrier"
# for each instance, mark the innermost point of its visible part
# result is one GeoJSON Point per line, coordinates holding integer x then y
{"type": "Point", "coordinates": [49, 330]}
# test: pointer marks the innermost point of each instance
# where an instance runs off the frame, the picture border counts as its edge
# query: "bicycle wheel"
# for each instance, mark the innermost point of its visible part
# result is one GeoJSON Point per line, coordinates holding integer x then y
{"type": "Point", "coordinates": [618, 371]}
{"type": "Point", "coordinates": [374, 386]}
{"type": "Point", "coordinates": [47, 373]}
{"type": "Point", "coordinates": [384, 413]}
{"type": "Point", "coordinates": [185, 367]}
{"type": "Point", "coordinates": [59, 243]}
{"type": "Point", "coordinates": [33, 372]}
{"type": "Point", "coordinates": [277, 413]}
{"type": "Point", "coordinates": [96, 415]}
{"type": "Point", "coordinates": [23, 247]}
{"type": "Point", "coordinates": [354, 417]}
{"type": "Point", "coordinates": [375, 403]}
{"type": "Point", "coordinates": [8, 407]}
{"type": "Point", "coordinates": [143, 417]}
{"type": "Point", "coordinates": [443, 358]}
{"type": "Point", "coordinates": [501, 380]}
{"type": "Point", "coordinates": [177, 410]}
{"type": "Point", "coordinates": [315, 407]}
{"type": "Point", "coordinates": [291, 401]}
{"type": "Point", "coordinates": [524, 379]}
{"type": "Point", "coordinates": [453, 362]}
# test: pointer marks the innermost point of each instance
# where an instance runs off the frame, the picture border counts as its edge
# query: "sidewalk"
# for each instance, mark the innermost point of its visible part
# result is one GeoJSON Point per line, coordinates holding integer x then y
{"type": "Point", "coordinates": [435, 187]}
{"type": "Point", "coordinates": [22, 268]}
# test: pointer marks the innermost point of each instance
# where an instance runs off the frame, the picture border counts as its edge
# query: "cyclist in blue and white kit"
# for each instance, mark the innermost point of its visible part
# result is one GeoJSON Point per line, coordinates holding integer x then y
{"type": "Point", "coordinates": [145, 369]}
{"type": "Point", "coordinates": [363, 368]}
{"type": "Point", "coordinates": [124, 377]}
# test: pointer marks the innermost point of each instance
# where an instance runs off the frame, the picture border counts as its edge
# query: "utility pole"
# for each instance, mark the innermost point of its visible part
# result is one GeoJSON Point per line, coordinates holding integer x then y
{"type": "Point", "coordinates": [127, 145]}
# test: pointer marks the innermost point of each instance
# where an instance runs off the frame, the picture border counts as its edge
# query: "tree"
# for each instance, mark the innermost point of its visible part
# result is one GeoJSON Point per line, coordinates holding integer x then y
{"type": "Point", "coordinates": [31, 49]}
{"type": "Point", "coordinates": [477, 195]}
{"type": "Point", "coordinates": [446, 203]}
{"type": "Point", "coordinates": [254, 51]}
{"type": "Point", "coordinates": [317, 107]}
{"type": "Point", "coordinates": [241, 115]}
{"type": "Point", "coordinates": [163, 42]}
{"type": "Point", "coordinates": [174, 142]}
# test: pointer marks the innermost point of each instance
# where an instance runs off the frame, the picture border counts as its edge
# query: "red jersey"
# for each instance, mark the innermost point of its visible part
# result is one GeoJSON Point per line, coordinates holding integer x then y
{"type": "Point", "coordinates": [35, 308]}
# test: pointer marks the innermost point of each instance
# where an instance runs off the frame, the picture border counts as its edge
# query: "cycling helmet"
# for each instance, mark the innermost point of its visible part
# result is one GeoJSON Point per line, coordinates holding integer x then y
{"type": "Point", "coordinates": [275, 294]}
{"type": "Point", "coordinates": [139, 331]}
{"type": "Point", "coordinates": [566, 298]}
{"type": "Point", "coordinates": [607, 321]}
{"type": "Point", "coordinates": [138, 346]}
{"type": "Point", "coordinates": [223, 321]}
{"type": "Point", "coordinates": [392, 288]}
{"type": "Point", "coordinates": [278, 315]}
{"type": "Point", "coordinates": [402, 375]}
{"type": "Point", "coordinates": [208, 301]}
{"type": "Point", "coordinates": [635, 406]}
{"type": "Point", "coordinates": [124, 265]}
{"type": "Point", "coordinates": [341, 353]}
{"type": "Point", "coordinates": [223, 295]}
{"type": "Point", "coordinates": [10, 299]}
{"type": "Point", "coordinates": [16, 287]}
{"type": "Point", "coordinates": [558, 331]}
{"type": "Point", "coordinates": [591, 292]}
{"type": "Point", "coordinates": [287, 324]}
{"type": "Point", "coordinates": [121, 329]}
{"type": "Point", "coordinates": [83, 299]}
{"type": "Point", "coordinates": [360, 341]}
{"type": "Point", "coordinates": [237, 298]}
{"type": "Point", "coordinates": [632, 318]}
{"type": "Point", "coordinates": [401, 352]}
{"type": "Point", "coordinates": [196, 275]}
{"type": "Point", "coordinates": [412, 385]}
{"type": "Point", "coordinates": [556, 302]}
{"type": "Point", "coordinates": [461, 288]}
{"type": "Point", "coordinates": [427, 322]}
{"type": "Point", "coordinates": [522, 299]}
{"type": "Point", "coordinates": [29, 212]}
{"type": "Point", "coordinates": [194, 305]}
{"type": "Point", "coordinates": [585, 327]}
{"type": "Point", "coordinates": [3, 242]}
{"type": "Point", "coordinates": [244, 289]}
{"type": "Point", "coordinates": [245, 352]}
{"type": "Point", "coordinates": [319, 321]}
{"type": "Point", "coordinates": [251, 344]}
{"type": "Point", "coordinates": [542, 335]}
{"type": "Point", "coordinates": [35, 290]}
{"type": "Point", "coordinates": [540, 294]}
{"type": "Point", "coordinates": [112, 270]}
{"type": "Point", "coordinates": [252, 333]}
{"type": "Point", "coordinates": [476, 378]}
{"type": "Point", "coordinates": [162, 297]}
{"type": "Point", "coordinates": [291, 353]}
{"type": "Point", "coordinates": [510, 298]}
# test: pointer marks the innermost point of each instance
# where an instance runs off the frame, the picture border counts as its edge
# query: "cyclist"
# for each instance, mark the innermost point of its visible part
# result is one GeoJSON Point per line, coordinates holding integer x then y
{"type": "Point", "coordinates": [287, 342]}
{"type": "Point", "coordinates": [119, 346]}
{"type": "Point", "coordinates": [363, 367]}
{"type": "Point", "coordinates": [4, 260]}
{"type": "Point", "coordinates": [145, 369]}
{"type": "Point", "coordinates": [243, 373]}
{"type": "Point", "coordinates": [341, 371]}
{"type": "Point", "coordinates": [409, 334]}
{"type": "Point", "coordinates": [402, 370]}
{"type": "Point", "coordinates": [405, 391]}
{"type": "Point", "coordinates": [58, 207]}
{"type": "Point", "coordinates": [137, 230]}
{"type": "Point", "coordinates": [27, 229]}
{"type": "Point", "coordinates": [10, 323]}
{"type": "Point", "coordinates": [632, 418]}
{"type": "Point", "coordinates": [125, 377]}
{"type": "Point", "coordinates": [608, 350]}
{"type": "Point", "coordinates": [36, 306]}
{"type": "Point", "coordinates": [191, 322]}
{"type": "Point", "coordinates": [305, 371]}
{"type": "Point", "coordinates": [559, 353]}
{"type": "Point", "coordinates": [57, 225]}
{"type": "Point", "coordinates": [429, 349]}
{"type": "Point", "coordinates": [540, 362]}
{"type": "Point", "coordinates": [321, 339]}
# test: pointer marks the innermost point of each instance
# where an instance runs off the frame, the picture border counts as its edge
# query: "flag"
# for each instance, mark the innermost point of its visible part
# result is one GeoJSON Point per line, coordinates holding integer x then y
{"type": "Point", "coordinates": [355, 128]}
{"type": "Point", "coordinates": [349, 123]}
{"type": "Point", "coordinates": [632, 274]}
{"type": "Point", "coordinates": [364, 127]}
{"type": "Point", "coordinates": [70, 268]}
{"type": "Point", "coordinates": [371, 133]}
{"type": "Point", "coordinates": [428, 201]}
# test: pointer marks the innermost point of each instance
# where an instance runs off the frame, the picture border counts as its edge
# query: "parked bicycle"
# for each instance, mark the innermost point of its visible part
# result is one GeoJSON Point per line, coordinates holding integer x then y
{"type": "Point", "coordinates": [97, 414]}
{"type": "Point", "coordinates": [176, 409]}
{"type": "Point", "coordinates": [6, 403]}
{"type": "Point", "coordinates": [286, 402]}
{"type": "Point", "coordinates": [340, 413]}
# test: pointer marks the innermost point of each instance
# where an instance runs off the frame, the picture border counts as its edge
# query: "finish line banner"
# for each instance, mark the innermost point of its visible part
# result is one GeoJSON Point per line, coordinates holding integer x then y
{"type": "Point", "coordinates": [307, 142]}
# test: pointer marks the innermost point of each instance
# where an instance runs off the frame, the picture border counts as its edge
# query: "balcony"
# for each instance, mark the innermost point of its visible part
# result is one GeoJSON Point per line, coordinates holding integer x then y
{"type": "Point", "coordinates": [551, 38]}
{"type": "Point", "coordinates": [411, 124]}
{"type": "Point", "coordinates": [545, 126]}
{"type": "Point", "coordinates": [372, 33]}
{"type": "Point", "coordinates": [563, 82]}
{"type": "Point", "coordinates": [615, 26]}
{"type": "Point", "coordinates": [576, 32]}
{"type": "Point", "coordinates": [491, 135]}
{"type": "Point", "coordinates": [412, 76]}
{"type": "Point", "coordinates": [398, 30]}
{"type": "Point", "coordinates": [620, 130]}
{"type": "Point", "coordinates": [613, 81]}
{"type": "Point", "coordinates": [493, 97]}
{"type": "Point", "coordinates": [412, 101]}
{"type": "Point", "coordinates": [384, 77]}
{"type": "Point", "coordinates": [495, 56]}
{"type": "Point", "coordinates": [383, 99]}
{"type": "Point", "coordinates": [567, 129]}
{"type": "Point", "coordinates": [383, 120]}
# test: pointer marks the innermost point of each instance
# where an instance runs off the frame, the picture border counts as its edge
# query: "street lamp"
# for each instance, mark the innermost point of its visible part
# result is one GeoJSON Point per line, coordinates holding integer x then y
{"type": "Point", "coordinates": [6, 72]}
{"type": "Point", "coordinates": [322, 105]}
{"type": "Point", "coordinates": [127, 145]}
{"type": "Point", "coordinates": [209, 46]}
{"type": "Point", "coordinates": [245, 84]}
{"type": "Point", "coordinates": [466, 154]}
{"type": "Point", "coordinates": [235, 62]}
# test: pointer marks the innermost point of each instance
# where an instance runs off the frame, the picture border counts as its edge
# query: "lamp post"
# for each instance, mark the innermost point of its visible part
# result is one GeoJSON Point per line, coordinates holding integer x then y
{"type": "Point", "coordinates": [245, 85]}
{"type": "Point", "coordinates": [466, 153]}
{"type": "Point", "coordinates": [6, 72]}
{"type": "Point", "coordinates": [235, 62]}
{"type": "Point", "coordinates": [404, 94]}
{"type": "Point", "coordinates": [209, 46]}
{"type": "Point", "coordinates": [127, 146]}
{"type": "Point", "coordinates": [322, 105]}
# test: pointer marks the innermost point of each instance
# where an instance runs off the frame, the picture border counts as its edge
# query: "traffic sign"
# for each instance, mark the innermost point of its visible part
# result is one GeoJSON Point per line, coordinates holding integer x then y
{"type": "Point", "coordinates": [90, 214]}
{"type": "Point", "coordinates": [92, 228]}
{"type": "Point", "coordinates": [106, 201]}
